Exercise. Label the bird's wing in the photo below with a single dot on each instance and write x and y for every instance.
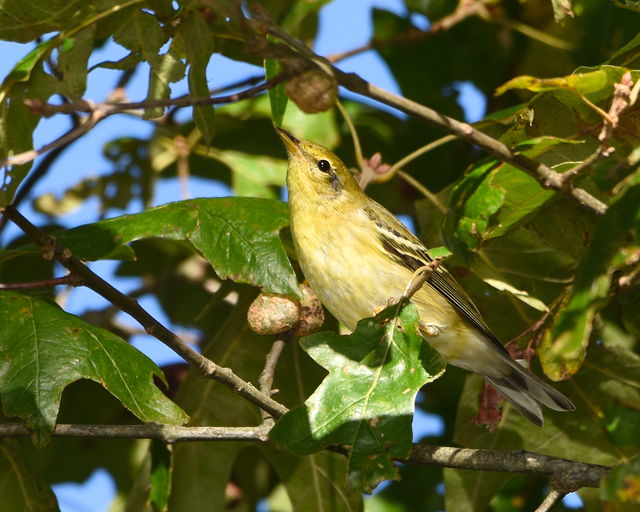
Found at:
(407, 250)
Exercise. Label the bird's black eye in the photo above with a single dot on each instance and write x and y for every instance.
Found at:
(324, 165)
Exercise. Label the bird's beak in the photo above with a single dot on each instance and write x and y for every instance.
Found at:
(290, 142)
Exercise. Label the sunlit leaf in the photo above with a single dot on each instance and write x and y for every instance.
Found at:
(582, 83)
(238, 236)
(48, 349)
(367, 400)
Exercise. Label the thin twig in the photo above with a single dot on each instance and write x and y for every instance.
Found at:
(623, 97)
(186, 100)
(551, 500)
(265, 381)
(96, 116)
(357, 148)
(69, 280)
(463, 11)
(422, 189)
(580, 168)
(99, 111)
(534, 33)
(419, 152)
(54, 250)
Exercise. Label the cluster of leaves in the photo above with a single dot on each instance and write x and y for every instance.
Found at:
(528, 256)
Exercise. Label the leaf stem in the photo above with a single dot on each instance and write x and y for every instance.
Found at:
(69, 280)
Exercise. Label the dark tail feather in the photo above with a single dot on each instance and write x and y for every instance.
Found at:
(526, 392)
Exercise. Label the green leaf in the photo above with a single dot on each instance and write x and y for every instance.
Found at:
(252, 175)
(563, 349)
(297, 13)
(277, 97)
(367, 400)
(143, 33)
(473, 202)
(26, 20)
(623, 424)
(17, 123)
(20, 488)
(161, 467)
(46, 349)
(237, 235)
(316, 482)
(73, 59)
(198, 46)
(203, 115)
(21, 72)
(582, 83)
(320, 128)
(165, 69)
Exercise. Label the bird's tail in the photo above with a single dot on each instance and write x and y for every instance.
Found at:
(526, 392)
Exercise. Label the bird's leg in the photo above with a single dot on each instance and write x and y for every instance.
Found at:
(429, 329)
(419, 277)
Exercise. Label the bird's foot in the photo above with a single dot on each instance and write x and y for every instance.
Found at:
(430, 329)
(419, 277)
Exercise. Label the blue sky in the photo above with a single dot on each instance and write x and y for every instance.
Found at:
(345, 24)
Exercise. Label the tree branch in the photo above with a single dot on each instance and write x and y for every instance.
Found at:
(546, 176)
(565, 474)
(54, 250)
(161, 432)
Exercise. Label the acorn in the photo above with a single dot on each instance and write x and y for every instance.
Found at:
(273, 314)
(313, 91)
(311, 312)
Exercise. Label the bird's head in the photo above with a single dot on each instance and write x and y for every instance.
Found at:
(316, 173)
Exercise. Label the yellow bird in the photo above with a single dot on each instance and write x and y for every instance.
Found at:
(357, 256)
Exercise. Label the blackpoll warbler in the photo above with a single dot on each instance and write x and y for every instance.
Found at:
(357, 256)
